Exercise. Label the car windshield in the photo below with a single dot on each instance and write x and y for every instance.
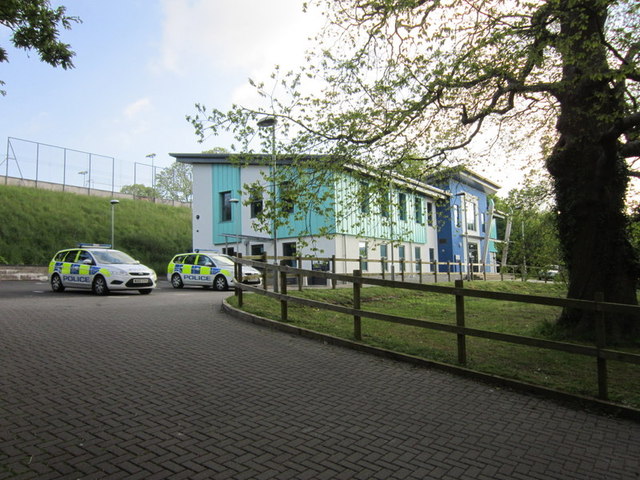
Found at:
(112, 257)
(223, 261)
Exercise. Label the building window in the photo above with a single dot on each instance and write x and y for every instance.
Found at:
(257, 250)
(363, 197)
(418, 254)
(401, 256)
(472, 215)
(225, 206)
(384, 256)
(287, 197)
(482, 223)
(430, 214)
(456, 216)
(402, 206)
(432, 258)
(385, 205)
(363, 252)
(256, 205)
(418, 210)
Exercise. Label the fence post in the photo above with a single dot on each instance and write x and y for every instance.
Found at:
(484, 271)
(460, 265)
(284, 314)
(237, 275)
(265, 272)
(402, 267)
(357, 324)
(300, 275)
(382, 261)
(601, 343)
(448, 270)
(462, 345)
(435, 272)
(419, 265)
(334, 282)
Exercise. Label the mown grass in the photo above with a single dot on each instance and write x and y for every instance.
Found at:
(558, 370)
(37, 223)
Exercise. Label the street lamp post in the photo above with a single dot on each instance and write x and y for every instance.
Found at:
(114, 202)
(270, 122)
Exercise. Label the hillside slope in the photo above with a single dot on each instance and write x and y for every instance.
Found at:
(35, 223)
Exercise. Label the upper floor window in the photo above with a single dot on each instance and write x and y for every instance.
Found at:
(456, 216)
(385, 205)
(418, 210)
(286, 197)
(363, 197)
(402, 206)
(430, 221)
(472, 215)
(256, 205)
(225, 206)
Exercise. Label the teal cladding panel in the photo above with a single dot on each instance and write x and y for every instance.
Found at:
(225, 178)
(311, 223)
(351, 220)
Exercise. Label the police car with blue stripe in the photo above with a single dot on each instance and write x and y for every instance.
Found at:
(207, 269)
(99, 268)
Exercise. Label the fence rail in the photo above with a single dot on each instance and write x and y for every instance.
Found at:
(599, 351)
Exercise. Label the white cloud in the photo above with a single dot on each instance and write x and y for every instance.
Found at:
(133, 109)
(249, 35)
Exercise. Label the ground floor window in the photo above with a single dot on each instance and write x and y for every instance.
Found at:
(363, 253)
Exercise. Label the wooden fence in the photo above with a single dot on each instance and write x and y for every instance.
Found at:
(417, 270)
(599, 351)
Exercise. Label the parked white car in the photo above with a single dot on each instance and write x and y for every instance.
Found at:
(100, 269)
(206, 269)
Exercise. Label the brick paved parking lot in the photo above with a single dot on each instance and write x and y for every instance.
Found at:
(165, 386)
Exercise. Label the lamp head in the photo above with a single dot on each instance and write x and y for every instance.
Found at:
(267, 122)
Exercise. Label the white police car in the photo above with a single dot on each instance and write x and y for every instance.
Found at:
(99, 268)
(206, 269)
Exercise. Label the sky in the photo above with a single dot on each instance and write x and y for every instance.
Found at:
(140, 67)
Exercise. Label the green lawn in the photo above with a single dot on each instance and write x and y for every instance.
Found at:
(567, 372)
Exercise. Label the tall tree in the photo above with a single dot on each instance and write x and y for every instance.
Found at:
(406, 76)
(35, 25)
(175, 182)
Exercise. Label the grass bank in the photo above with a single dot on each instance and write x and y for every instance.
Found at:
(566, 372)
(37, 223)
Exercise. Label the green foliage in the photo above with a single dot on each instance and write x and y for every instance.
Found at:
(534, 234)
(175, 182)
(139, 190)
(35, 25)
(37, 223)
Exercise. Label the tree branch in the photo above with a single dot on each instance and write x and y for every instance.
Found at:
(630, 149)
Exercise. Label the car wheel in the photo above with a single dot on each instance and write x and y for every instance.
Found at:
(56, 283)
(99, 286)
(220, 283)
(176, 281)
(145, 291)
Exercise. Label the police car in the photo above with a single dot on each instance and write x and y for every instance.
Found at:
(206, 269)
(99, 268)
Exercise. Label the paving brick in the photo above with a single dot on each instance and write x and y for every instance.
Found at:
(166, 387)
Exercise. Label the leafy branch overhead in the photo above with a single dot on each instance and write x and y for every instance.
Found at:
(413, 85)
(35, 25)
